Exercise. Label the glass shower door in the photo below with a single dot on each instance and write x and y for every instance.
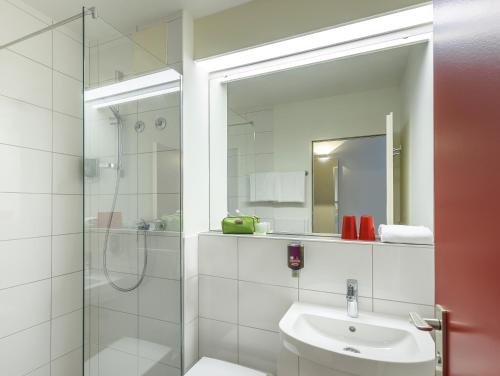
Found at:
(132, 218)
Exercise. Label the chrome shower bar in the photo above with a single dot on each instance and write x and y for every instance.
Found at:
(88, 11)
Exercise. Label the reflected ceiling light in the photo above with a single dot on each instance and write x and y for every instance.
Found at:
(323, 149)
(404, 19)
(147, 86)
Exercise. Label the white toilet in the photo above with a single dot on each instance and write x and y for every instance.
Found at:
(213, 367)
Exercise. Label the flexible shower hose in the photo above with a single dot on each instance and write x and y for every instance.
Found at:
(110, 221)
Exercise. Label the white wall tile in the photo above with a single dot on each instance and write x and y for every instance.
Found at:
(191, 340)
(219, 340)
(68, 172)
(67, 293)
(25, 170)
(23, 261)
(68, 57)
(218, 256)
(66, 333)
(190, 256)
(152, 206)
(25, 351)
(403, 274)
(191, 299)
(24, 306)
(68, 95)
(25, 79)
(262, 306)
(265, 261)
(117, 300)
(42, 371)
(18, 23)
(219, 298)
(22, 124)
(333, 300)
(327, 266)
(164, 263)
(68, 134)
(119, 331)
(259, 349)
(68, 364)
(160, 341)
(67, 215)
(67, 254)
(24, 215)
(401, 309)
(159, 172)
(160, 299)
(153, 139)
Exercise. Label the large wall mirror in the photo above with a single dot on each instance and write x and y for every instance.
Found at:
(307, 145)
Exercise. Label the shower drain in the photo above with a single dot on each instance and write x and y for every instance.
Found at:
(352, 349)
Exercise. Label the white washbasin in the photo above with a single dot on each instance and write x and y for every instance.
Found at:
(372, 344)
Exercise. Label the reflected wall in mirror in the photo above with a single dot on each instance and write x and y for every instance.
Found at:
(274, 121)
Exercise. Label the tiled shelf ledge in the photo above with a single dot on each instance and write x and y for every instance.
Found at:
(126, 230)
(315, 238)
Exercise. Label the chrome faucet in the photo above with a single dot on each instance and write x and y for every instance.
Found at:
(352, 298)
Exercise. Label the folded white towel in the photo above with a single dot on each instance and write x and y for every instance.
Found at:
(405, 234)
(291, 187)
(263, 187)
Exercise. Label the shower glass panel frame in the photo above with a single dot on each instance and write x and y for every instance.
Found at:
(132, 211)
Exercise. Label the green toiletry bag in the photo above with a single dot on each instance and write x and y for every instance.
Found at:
(239, 225)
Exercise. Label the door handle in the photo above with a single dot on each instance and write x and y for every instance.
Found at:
(440, 327)
(426, 325)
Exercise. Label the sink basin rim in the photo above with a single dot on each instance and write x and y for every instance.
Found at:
(424, 342)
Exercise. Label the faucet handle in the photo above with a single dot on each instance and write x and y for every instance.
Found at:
(352, 287)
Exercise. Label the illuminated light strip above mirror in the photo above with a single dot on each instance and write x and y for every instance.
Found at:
(147, 86)
(329, 54)
(389, 23)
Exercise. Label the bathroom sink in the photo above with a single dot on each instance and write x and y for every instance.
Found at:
(372, 344)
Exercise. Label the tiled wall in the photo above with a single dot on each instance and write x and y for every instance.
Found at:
(40, 198)
(250, 150)
(245, 288)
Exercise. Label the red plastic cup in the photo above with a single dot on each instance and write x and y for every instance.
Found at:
(367, 228)
(349, 231)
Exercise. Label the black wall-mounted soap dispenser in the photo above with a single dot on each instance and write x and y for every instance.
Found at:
(295, 257)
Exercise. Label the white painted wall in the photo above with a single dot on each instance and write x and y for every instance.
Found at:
(262, 21)
(417, 136)
(195, 181)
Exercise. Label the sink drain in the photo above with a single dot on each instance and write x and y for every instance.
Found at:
(352, 349)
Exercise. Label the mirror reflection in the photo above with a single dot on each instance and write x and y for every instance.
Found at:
(307, 146)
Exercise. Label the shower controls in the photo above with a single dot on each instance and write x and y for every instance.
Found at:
(91, 167)
(139, 126)
(160, 123)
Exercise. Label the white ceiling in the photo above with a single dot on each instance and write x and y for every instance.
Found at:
(125, 15)
(367, 72)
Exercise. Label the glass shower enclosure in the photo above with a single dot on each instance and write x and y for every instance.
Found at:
(132, 206)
